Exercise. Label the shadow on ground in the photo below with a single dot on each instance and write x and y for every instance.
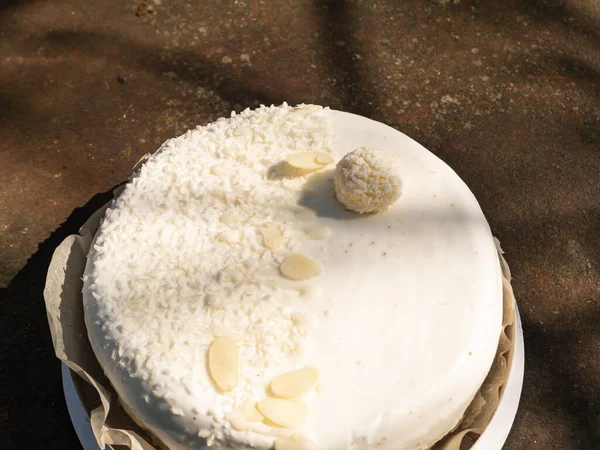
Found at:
(29, 369)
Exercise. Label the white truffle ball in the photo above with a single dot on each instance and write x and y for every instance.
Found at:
(367, 180)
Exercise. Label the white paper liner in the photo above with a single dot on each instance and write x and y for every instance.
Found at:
(110, 423)
(480, 411)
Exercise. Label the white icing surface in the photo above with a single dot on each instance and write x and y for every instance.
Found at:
(403, 324)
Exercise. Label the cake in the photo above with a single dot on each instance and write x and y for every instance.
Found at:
(236, 299)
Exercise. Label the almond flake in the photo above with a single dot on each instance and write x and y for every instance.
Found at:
(229, 236)
(318, 232)
(304, 161)
(303, 321)
(229, 274)
(298, 212)
(323, 159)
(294, 444)
(251, 412)
(300, 267)
(272, 237)
(305, 214)
(307, 107)
(295, 383)
(309, 291)
(283, 412)
(238, 420)
(223, 363)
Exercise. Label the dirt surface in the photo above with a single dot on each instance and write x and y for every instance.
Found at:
(506, 92)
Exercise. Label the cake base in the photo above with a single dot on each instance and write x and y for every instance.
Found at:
(493, 437)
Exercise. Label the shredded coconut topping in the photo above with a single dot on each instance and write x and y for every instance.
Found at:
(180, 257)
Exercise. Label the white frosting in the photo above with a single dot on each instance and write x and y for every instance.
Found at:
(366, 180)
(402, 325)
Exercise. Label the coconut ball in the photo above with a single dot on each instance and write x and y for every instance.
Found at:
(367, 180)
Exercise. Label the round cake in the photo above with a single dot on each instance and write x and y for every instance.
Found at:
(234, 302)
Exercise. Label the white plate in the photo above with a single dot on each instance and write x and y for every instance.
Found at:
(495, 434)
(493, 437)
(79, 417)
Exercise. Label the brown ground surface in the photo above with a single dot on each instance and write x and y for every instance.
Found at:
(506, 92)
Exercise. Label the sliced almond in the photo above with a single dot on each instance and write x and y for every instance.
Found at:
(305, 161)
(302, 213)
(309, 291)
(317, 232)
(272, 237)
(223, 363)
(300, 267)
(294, 444)
(298, 212)
(251, 412)
(303, 107)
(323, 159)
(303, 321)
(229, 236)
(229, 274)
(283, 412)
(295, 383)
(238, 420)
